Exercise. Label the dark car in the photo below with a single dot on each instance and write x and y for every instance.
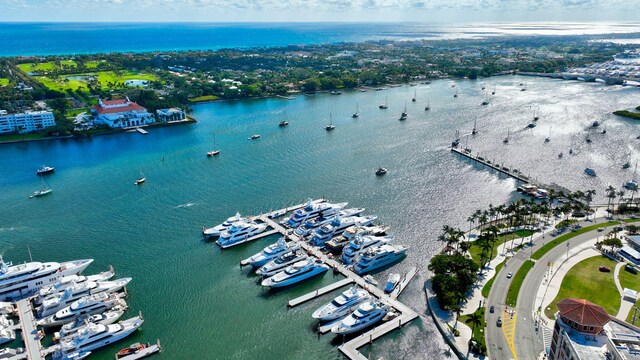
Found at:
(603, 268)
(492, 309)
(499, 322)
(618, 228)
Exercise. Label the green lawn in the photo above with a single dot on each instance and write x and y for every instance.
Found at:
(74, 112)
(4, 81)
(92, 64)
(627, 114)
(516, 283)
(68, 64)
(487, 287)
(45, 66)
(630, 281)
(560, 239)
(61, 84)
(478, 332)
(107, 79)
(585, 281)
(13, 137)
(203, 98)
(475, 250)
(630, 316)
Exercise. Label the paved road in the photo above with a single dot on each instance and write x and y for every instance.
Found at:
(527, 342)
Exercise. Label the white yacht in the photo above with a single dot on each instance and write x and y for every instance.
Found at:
(64, 282)
(338, 226)
(52, 303)
(76, 355)
(367, 315)
(18, 281)
(312, 210)
(295, 273)
(359, 244)
(240, 231)
(94, 336)
(5, 322)
(219, 229)
(306, 228)
(281, 262)
(336, 244)
(88, 305)
(106, 318)
(377, 257)
(7, 335)
(270, 252)
(342, 305)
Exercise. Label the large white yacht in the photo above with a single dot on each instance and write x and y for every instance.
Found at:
(219, 229)
(342, 305)
(336, 244)
(295, 273)
(367, 314)
(64, 282)
(94, 336)
(52, 303)
(106, 318)
(240, 231)
(7, 335)
(360, 243)
(337, 227)
(377, 257)
(18, 281)
(270, 252)
(88, 305)
(281, 262)
(310, 225)
(312, 210)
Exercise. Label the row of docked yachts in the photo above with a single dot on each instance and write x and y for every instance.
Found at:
(337, 230)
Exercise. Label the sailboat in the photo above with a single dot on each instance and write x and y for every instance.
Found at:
(536, 116)
(384, 106)
(215, 151)
(44, 191)
(548, 138)
(633, 183)
(475, 129)
(428, 107)
(330, 126)
(141, 179)
(404, 115)
(506, 140)
(494, 90)
(486, 99)
(456, 94)
(524, 87)
(356, 114)
(415, 97)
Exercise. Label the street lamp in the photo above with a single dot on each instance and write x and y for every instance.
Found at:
(568, 243)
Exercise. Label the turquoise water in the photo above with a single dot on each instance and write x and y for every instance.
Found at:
(194, 297)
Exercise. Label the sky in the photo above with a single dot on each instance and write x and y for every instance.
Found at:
(316, 10)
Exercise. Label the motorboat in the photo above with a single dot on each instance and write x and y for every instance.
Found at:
(140, 180)
(296, 273)
(338, 226)
(240, 231)
(356, 114)
(19, 281)
(392, 281)
(52, 303)
(631, 185)
(590, 171)
(45, 170)
(342, 305)
(7, 335)
(377, 257)
(95, 336)
(370, 280)
(138, 351)
(367, 314)
(595, 124)
(312, 210)
(283, 123)
(560, 155)
(76, 355)
(106, 318)
(88, 305)
(359, 244)
(67, 281)
(316, 223)
(8, 353)
(330, 126)
(338, 243)
(281, 262)
(5, 322)
(219, 229)
(531, 125)
(270, 252)
(253, 137)
(381, 171)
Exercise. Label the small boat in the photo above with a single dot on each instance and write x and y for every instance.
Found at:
(384, 106)
(415, 97)
(334, 92)
(536, 117)
(506, 140)
(570, 151)
(139, 351)
(45, 170)
(494, 90)
(404, 114)
(456, 94)
(213, 152)
(604, 131)
(140, 181)
(356, 114)
(381, 171)
(253, 137)
(330, 126)
(370, 280)
(631, 185)
(106, 318)
(475, 129)
(531, 125)
(392, 281)
(46, 190)
(595, 124)
(283, 122)
(560, 155)
(588, 140)
(626, 165)
(428, 107)
(590, 171)
(486, 99)
(378, 256)
(548, 138)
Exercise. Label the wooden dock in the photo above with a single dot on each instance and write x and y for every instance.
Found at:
(314, 294)
(403, 284)
(499, 168)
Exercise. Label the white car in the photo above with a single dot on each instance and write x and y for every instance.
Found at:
(509, 275)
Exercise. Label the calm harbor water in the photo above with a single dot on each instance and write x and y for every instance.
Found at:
(195, 298)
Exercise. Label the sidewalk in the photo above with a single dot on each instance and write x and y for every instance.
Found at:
(625, 305)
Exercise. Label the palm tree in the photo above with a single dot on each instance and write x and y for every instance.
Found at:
(588, 197)
(620, 194)
(611, 194)
(471, 219)
(475, 319)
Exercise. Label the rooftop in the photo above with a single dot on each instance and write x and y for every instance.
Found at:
(583, 312)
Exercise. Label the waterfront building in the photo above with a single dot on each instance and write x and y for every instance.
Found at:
(26, 122)
(171, 114)
(120, 113)
(584, 331)
(631, 251)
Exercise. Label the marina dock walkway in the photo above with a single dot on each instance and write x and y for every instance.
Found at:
(314, 294)
(403, 284)
(502, 169)
(142, 131)
(30, 335)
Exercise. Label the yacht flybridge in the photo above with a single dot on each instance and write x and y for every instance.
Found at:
(219, 229)
(359, 244)
(312, 210)
(88, 305)
(270, 252)
(64, 282)
(19, 281)
(338, 226)
(296, 273)
(306, 228)
(281, 262)
(367, 314)
(377, 257)
(240, 231)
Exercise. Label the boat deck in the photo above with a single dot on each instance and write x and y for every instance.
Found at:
(263, 234)
(148, 351)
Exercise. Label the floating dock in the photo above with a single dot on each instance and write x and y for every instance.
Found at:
(403, 284)
(314, 294)
(499, 168)
(142, 131)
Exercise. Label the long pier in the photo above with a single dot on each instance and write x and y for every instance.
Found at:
(30, 335)
(314, 294)
(502, 169)
(350, 349)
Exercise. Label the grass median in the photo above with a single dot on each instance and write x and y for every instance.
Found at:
(516, 283)
(561, 239)
(487, 287)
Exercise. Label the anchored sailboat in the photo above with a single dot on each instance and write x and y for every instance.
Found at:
(44, 191)
(356, 114)
(475, 129)
(404, 114)
(330, 126)
(384, 106)
(415, 96)
(215, 150)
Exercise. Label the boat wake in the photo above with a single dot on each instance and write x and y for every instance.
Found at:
(185, 205)
(7, 229)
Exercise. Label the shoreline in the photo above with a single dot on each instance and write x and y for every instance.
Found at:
(188, 120)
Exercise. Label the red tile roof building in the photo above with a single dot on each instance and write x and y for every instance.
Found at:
(121, 113)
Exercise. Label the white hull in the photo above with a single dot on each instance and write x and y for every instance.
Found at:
(271, 268)
(227, 241)
(271, 283)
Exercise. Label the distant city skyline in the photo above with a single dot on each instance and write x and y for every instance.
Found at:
(317, 10)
